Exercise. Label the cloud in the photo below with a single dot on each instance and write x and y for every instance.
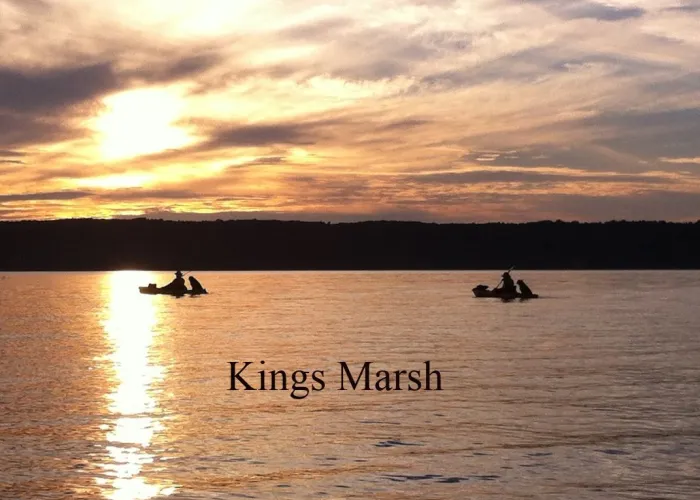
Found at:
(686, 7)
(259, 135)
(48, 90)
(327, 189)
(681, 161)
(145, 194)
(583, 9)
(519, 176)
(121, 195)
(266, 160)
(19, 130)
(34, 6)
(318, 29)
(588, 156)
(353, 52)
(222, 136)
(535, 65)
(47, 196)
(9, 154)
(172, 68)
(652, 134)
(8, 214)
(405, 124)
(6, 170)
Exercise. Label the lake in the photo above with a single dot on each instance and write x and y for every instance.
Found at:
(590, 392)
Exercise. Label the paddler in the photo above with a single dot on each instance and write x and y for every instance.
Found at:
(178, 284)
(508, 285)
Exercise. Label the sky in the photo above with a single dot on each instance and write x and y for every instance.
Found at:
(432, 110)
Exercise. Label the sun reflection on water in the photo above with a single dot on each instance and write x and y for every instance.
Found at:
(129, 326)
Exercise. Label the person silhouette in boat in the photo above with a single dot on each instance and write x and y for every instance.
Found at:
(508, 285)
(176, 285)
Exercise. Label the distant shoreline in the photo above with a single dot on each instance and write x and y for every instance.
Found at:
(266, 245)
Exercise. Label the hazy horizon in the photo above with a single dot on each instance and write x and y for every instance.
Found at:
(335, 219)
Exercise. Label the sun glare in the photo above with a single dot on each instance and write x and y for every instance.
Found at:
(140, 122)
(133, 405)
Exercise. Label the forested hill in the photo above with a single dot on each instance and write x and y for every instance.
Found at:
(90, 244)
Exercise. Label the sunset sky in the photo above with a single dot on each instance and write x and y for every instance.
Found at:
(436, 110)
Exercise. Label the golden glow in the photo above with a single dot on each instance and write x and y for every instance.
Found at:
(299, 155)
(681, 160)
(140, 122)
(282, 54)
(339, 89)
(210, 17)
(129, 326)
(115, 181)
(374, 92)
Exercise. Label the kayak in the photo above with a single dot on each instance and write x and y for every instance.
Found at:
(482, 291)
(148, 290)
(154, 290)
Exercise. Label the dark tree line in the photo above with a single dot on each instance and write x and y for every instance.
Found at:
(89, 244)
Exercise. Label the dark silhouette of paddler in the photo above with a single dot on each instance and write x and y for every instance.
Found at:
(508, 285)
(176, 285)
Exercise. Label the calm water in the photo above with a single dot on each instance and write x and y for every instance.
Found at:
(592, 392)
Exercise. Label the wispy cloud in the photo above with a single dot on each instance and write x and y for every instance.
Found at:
(687, 6)
(48, 91)
(58, 195)
(583, 9)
